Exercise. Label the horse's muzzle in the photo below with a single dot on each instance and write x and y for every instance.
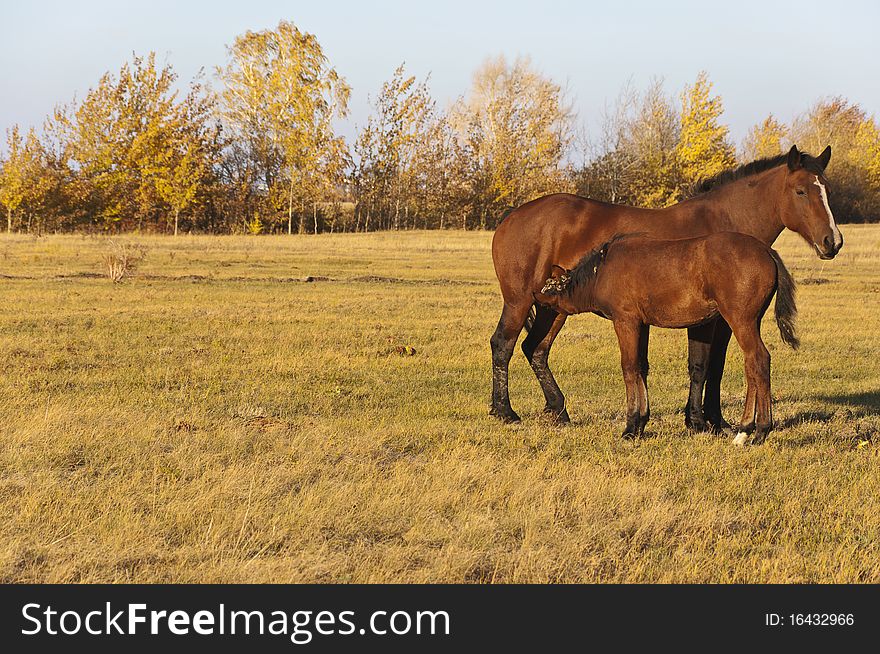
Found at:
(829, 249)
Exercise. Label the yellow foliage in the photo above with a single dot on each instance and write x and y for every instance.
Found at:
(764, 140)
(703, 147)
(867, 144)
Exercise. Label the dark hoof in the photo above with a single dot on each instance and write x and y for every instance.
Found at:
(719, 426)
(507, 416)
(697, 426)
(557, 416)
(629, 434)
(760, 436)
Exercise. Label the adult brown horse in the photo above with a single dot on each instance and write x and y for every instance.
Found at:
(759, 199)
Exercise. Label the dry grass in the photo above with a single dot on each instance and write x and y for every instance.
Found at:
(122, 259)
(216, 420)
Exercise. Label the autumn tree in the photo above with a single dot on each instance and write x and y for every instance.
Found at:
(442, 164)
(606, 164)
(634, 161)
(393, 147)
(13, 174)
(703, 148)
(279, 99)
(867, 144)
(26, 182)
(764, 140)
(116, 132)
(118, 142)
(517, 127)
(851, 133)
(652, 139)
(184, 162)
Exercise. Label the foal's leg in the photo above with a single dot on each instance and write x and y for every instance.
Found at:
(763, 400)
(717, 356)
(644, 406)
(503, 341)
(756, 412)
(747, 422)
(628, 333)
(536, 347)
(699, 345)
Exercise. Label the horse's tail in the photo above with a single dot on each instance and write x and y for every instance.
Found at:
(786, 307)
(530, 320)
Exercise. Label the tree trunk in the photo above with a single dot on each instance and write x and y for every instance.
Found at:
(315, 215)
(176, 220)
(290, 208)
(302, 214)
(8, 220)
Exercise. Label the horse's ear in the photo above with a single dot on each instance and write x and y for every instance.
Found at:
(554, 269)
(794, 158)
(824, 158)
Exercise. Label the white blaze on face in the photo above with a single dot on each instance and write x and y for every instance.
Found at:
(838, 239)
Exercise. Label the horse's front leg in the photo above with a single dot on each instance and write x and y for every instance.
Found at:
(628, 333)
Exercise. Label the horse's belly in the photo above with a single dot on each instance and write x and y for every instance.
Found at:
(678, 315)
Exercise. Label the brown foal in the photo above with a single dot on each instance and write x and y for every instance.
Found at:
(636, 282)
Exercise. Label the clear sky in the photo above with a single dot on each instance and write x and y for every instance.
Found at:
(763, 56)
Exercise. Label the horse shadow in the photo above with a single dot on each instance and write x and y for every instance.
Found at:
(866, 403)
(805, 416)
(856, 405)
(860, 405)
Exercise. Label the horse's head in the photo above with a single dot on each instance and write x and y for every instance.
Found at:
(804, 207)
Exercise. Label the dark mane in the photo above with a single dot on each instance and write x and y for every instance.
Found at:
(588, 267)
(752, 168)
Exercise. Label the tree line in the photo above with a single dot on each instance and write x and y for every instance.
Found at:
(258, 151)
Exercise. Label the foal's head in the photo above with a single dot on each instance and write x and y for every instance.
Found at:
(568, 291)
(804, 208)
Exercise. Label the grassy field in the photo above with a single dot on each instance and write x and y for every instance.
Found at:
(217, 419)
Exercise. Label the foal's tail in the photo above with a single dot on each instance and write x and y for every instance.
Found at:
(786, 308)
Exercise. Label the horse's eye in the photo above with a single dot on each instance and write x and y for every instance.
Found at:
(801, 191)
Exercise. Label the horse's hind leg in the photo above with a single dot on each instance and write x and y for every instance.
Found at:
(763, 406)
(513, 318)
(714, 372)
(699, 346)
(644, 406)
(757, 414)
(536, 347)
